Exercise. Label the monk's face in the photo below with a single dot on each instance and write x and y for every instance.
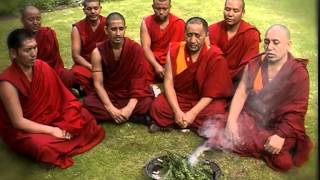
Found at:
(233, 11)
(161, 10)
(31, 19)
(26, 55)
(276, 44)
(116, 31)
(92, 10)
(195, 36)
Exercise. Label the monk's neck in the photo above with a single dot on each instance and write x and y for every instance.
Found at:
(195, 55)
(164, 24)
(232, 30)
(94, 24)
(117, 49)
(28, 71)
(275, 66)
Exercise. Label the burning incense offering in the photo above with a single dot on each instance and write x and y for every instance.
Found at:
(176, 166)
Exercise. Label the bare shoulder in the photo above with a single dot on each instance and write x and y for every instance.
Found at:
(7, 89)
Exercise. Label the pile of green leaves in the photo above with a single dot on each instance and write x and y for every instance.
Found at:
(176, 166)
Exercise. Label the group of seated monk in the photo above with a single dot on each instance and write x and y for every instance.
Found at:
(41, 118)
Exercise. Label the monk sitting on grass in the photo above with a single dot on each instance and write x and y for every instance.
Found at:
(39, 117)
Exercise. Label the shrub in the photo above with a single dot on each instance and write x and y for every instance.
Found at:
(43, 5)
(11, 7)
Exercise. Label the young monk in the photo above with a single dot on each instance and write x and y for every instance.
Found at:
(122, 92)
(157, 31)
(85, 34)
(238, 40)
(47, 44)
(39, 117)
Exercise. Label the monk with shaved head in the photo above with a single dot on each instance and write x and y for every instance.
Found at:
(48, 47)
(238, 40)
(266, 118)
(85, 34)
(157, 31)
(196, 82)
(122, 93)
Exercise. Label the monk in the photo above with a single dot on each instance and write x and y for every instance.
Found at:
(157, 31)
(39, 117)
(266, 119)
(238, 40)
(85, 34)
(196, 81)
(47, 43)
(122, 93)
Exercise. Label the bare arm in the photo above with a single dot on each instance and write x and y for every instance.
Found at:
(237, 104)
(128, 109)
(171, 94)
(202, 103)
(146, 45)
(11, 102)
(98, 84)
(76, 49)
(193, 112)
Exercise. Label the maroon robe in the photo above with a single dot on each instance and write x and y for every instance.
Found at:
(89, 39)
(278, 108)
(45, 100)
(160, 40)
(207, 77)
(48, 51)
(123, 79)
(238, 50)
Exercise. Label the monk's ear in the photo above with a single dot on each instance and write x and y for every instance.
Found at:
(12, 53)
(289, 45)
(106, 30)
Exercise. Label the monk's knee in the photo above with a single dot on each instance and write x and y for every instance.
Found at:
(153, 107)
(283, 161)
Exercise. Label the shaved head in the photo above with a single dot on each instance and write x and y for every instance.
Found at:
(28, 9)
(277, 43)
(280, 28)
(241, 1)
(84, 3)
(198, 20)
(31, 18)
(115, 16)
(162, 1)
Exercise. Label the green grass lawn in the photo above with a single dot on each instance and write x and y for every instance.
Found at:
(127, 147)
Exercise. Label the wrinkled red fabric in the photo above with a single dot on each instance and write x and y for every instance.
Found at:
(207, 77)
(123, 79)
(239, 49)
(45, 100)
(89, 40)
(48, 51)
(160, 39)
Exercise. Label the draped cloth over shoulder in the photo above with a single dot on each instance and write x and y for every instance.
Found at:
(89, 40)
(160, 39)
(123, 79)
(239, 49)
(48, 51)
(207, 77)
(272, 107)
(45, 100)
